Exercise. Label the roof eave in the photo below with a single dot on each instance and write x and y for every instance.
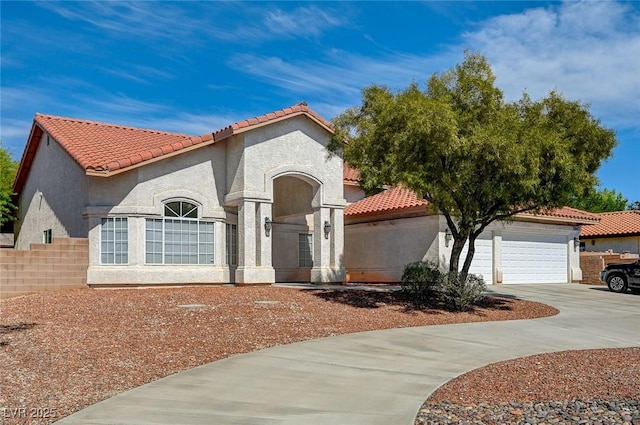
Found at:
(613, 235)
(391, 214)
(555, 219)
(33, 141)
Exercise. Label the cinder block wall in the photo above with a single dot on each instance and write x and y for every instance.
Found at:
(45, 267)
(592, 263)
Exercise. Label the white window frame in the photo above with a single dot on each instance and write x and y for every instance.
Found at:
(118, 243)
(305, 250)
(180, 239)
(231, 244)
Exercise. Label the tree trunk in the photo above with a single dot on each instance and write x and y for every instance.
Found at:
(467, 261)
(456, 253)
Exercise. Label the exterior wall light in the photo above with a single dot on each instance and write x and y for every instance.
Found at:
(267, 226)
(576, 243)
(327, 229)
(447, 237)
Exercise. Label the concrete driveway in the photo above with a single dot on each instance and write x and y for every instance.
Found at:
(380, 377)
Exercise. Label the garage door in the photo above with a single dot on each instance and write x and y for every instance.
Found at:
(482, 262)
(534, 258)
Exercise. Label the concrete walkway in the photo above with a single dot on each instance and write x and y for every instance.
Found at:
(370, 378)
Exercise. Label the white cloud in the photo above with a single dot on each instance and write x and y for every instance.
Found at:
(199, 20)
(302, 21)
(340, 76)
(140, 19)
(586, 50)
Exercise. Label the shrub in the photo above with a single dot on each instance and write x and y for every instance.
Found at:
(460, 295)
(422, 282)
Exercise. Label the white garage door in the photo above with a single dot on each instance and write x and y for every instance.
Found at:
(534, 258)
(482, 262)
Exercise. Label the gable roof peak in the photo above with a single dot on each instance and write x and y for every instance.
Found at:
(103, 148)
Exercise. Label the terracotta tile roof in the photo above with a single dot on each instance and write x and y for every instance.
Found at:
(350, 175)
(621, 223)
(105, 148)
(100, 146)
(394, 199)
(567, 212)
(399, 198)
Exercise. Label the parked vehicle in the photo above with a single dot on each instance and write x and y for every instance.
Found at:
(621, 277)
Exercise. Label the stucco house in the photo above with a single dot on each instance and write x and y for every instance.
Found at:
(259, 201)
(616, 231)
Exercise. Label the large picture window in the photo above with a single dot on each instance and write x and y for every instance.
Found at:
(114, 241)
(305, 250)
(179, 238)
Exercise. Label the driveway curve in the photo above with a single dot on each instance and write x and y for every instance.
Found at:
(378, 377)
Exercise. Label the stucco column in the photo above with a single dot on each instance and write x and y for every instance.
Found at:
(322, 270)
(497, 258)
(219, 233)
(264, 242)
(337, 239)
(253, 245)
(246, 235)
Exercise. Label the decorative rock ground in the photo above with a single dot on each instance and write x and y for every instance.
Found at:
(574, 412)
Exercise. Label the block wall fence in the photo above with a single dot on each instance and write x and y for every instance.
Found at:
(45, 267)
(592, 263)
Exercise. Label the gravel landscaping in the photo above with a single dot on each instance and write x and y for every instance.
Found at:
(63, 351)
(569, 387)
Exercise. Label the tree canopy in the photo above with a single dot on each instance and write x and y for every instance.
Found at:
(8, 168)
(601, 200)
(475, 157)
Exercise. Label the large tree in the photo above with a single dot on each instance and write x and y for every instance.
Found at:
(475, 157)
(8, 169)
(600, 200)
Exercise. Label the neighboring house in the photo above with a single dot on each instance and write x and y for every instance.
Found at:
(617, 231)
(259, 201)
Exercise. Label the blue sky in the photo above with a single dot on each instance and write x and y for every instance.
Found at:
(194, 67)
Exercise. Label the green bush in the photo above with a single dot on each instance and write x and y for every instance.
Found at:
(422, 282)
(460, 295)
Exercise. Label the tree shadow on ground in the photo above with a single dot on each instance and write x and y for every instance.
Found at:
(7, 329)
(377, 299)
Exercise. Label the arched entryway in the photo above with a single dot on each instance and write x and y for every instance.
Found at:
(293, 227)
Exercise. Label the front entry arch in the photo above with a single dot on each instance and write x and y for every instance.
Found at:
(293, 228)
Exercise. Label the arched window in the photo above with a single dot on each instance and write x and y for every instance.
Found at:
(179, 237)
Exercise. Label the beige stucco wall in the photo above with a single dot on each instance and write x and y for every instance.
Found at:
(139, 194)
(294, 146)
(378, 251)
(53, 197)
(353, 193)
(619, 244)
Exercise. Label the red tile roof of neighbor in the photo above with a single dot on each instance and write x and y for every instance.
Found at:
(399, 198)
(620, 223)
(104, 148)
